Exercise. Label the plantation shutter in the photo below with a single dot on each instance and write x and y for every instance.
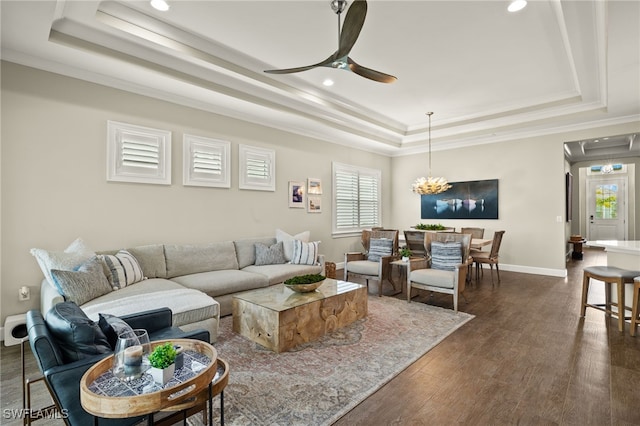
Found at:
(357, 198)
(257, 168)
(138, 152)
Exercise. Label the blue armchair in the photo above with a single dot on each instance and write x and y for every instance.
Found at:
(63, 378)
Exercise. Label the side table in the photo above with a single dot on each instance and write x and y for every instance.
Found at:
(103, 395)
(404, 270)
(576, 253)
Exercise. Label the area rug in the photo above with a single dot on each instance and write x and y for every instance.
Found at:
(319, 382)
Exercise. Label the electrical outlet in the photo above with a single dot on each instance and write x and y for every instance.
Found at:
(24, 293)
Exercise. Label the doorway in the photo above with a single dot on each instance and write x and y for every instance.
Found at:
(607, 207)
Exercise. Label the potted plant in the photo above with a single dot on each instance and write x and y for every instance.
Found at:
(405, 253)
(162, 361)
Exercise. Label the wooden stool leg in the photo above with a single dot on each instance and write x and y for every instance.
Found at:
(634, 309)
(607, 298)
(621, 305)
(585, 291)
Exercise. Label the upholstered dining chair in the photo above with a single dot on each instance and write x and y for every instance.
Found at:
(380, 249)
(448, 271)
(475, 232)
(491, 258)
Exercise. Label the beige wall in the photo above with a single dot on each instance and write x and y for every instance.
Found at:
(54, 186)
(531, 174)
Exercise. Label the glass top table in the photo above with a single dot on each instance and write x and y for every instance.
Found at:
(279, 318)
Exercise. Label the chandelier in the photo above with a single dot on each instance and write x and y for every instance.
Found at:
(430, 185)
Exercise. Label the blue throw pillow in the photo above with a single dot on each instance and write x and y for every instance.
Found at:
(445, 256)
(379, 247)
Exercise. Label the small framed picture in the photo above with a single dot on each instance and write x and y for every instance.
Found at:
(296, 194)
(314, 204)
(314, 186)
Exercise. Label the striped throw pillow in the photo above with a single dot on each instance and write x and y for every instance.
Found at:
(305, 253)
(379, 247)
(445, 256)
(123, 269)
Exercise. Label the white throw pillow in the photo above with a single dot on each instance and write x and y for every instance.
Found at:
(288, 239)
(73, 256)
(305, 253)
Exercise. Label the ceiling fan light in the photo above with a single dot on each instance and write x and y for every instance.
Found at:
(160, 5)
(517, 5)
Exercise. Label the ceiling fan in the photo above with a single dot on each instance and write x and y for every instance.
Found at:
(340, 59)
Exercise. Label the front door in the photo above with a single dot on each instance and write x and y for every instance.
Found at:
(606, 208)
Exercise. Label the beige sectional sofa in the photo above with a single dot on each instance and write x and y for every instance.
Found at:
(197, 282)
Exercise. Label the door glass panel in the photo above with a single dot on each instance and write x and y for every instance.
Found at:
(607, 201)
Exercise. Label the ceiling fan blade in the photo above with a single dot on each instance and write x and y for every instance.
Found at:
(353, 23)
(369, 73)
(324, 63)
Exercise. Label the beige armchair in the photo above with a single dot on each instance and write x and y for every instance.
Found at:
(449, 266)
(380, 249)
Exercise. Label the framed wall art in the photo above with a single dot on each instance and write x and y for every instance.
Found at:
(296, 194)
(314, 186)
(464, 200)
(314, 204)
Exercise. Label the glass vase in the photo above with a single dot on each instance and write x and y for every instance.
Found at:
(131, 355)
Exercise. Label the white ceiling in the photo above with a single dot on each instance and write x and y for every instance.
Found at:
(489, 75)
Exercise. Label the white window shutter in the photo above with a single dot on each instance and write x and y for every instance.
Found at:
(206, 162)
(138, 154)
(257, 168)
(356, 198)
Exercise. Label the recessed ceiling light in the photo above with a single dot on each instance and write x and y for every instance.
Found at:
(328, 82)
(160, 5)
(517, 5)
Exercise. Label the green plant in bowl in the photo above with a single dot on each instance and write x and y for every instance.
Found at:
(305, 283)
(405, 252)
(431, 227)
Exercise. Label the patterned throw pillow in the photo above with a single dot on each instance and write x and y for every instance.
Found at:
(445, 256)
(84, 284)
(379, 247)
(122, 269)
(270, 255)
(76, 254)
(305, 253)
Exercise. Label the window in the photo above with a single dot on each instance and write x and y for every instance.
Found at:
(206, 162)
(138, 154)
(257, 168)
(356, 198)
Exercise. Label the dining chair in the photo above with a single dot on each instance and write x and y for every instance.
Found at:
(491, 258)
(475, 232)
(380, 249)
(416, 241)
(448, 270)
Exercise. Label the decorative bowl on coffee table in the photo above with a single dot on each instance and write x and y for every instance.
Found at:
(305, 283)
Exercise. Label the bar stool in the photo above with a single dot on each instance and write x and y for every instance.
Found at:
(610, 275)
(636, 301)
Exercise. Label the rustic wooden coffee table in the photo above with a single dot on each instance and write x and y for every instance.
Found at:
(280, 319)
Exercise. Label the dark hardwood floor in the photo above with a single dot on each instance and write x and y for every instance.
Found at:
(527, 359)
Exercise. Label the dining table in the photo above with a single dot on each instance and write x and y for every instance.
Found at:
(478, 243)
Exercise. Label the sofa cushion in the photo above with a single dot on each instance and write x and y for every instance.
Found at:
(288, 240)
(73, 256)
(278, 273)
(122, 269)
(188, 306)
(78, 336)
(270, 255)
(305, 253)
(246, 249)
(217, 283)
(151, 259)
(192, 259)
(84, 284)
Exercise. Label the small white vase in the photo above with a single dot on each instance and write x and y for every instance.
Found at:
(162, 375)
(405, 258)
